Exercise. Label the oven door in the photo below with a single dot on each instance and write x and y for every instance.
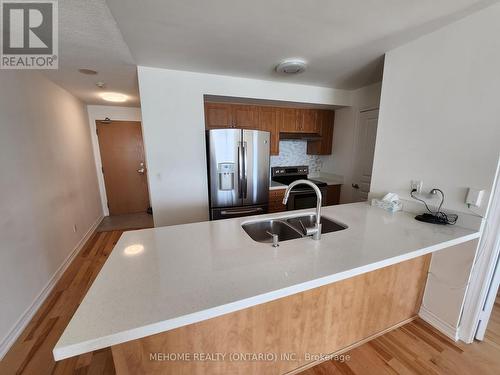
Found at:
(301, 199)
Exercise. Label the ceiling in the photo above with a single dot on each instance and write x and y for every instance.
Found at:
(343, 41)
(89, 38)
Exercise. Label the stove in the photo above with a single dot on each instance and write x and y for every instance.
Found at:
(302, 196)
(287, 175)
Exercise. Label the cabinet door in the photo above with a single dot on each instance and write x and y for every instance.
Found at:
(325, 124)
(309, 121)
(217, 115)
(268, 121)
(276, 201)
(332, 195)
(245, 116)
(287, 120)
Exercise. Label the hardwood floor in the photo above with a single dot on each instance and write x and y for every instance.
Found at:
(415, 348)
(32, 352)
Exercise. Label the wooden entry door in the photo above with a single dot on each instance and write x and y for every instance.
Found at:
(365, 148)
(123, 166)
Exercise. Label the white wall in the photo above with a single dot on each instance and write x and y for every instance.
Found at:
(439, 122)
(439, 117)
(100, 112)
(341, 161)
(173, 124)
(48, 184)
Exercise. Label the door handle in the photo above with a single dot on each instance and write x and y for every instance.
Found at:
(141, 170)
(240, 170)
(241, 212)
(245, 166)
(355, 186)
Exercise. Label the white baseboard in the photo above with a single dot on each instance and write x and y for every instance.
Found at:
(443, 327)
(28, 314)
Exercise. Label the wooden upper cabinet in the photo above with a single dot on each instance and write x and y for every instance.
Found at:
(324, 145)
(276, 121)
(218, 115)
(287, 118)
(245, 116)
(268, 120)
(307, 121)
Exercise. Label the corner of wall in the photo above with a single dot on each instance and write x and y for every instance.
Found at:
(17, 329)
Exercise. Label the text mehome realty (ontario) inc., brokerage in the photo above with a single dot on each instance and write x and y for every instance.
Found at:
(244, 357)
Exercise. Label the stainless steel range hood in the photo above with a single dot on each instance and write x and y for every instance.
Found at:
(305, 136)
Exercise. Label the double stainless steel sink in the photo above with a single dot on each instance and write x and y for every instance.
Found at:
(288, 228)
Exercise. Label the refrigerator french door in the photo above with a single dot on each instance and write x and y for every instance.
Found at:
(238, 172)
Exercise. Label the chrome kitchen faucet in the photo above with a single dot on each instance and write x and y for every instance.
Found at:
(315, 231)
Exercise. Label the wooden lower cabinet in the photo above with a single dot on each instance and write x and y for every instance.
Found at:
(276, 200)
(333, 195)
(289, 330)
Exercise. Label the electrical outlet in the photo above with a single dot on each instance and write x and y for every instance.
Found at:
(474, 197)
(417, 185)
(75, 229)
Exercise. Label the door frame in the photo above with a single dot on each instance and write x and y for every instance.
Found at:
(485, 274)
(356, 148)
(101, 112)
(130, 115)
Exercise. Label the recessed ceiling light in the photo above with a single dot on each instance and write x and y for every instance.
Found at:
(291, 66)
(100, 84)
(88, 72)
(113, 96)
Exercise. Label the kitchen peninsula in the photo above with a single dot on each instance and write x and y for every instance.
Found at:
(209, 288)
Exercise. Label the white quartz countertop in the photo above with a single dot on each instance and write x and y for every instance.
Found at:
(159, 279)
(329, 179)
(273, 185)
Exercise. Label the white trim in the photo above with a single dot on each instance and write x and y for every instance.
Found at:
(445, 328)
(484, 316)
(368, 109)
(484, 266)
(100, 112)
(28, 314)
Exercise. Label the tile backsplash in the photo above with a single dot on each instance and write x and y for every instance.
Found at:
(294, 152)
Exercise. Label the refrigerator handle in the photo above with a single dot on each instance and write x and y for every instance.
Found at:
(245, 168)
(240, 169)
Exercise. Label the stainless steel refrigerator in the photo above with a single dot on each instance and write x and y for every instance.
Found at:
(238, 172)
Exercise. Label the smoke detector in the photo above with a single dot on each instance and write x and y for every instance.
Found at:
(291, 66)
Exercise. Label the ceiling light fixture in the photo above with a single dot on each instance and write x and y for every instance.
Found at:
(291, 66)
(88, 72)
(100, 84)
(113, 97)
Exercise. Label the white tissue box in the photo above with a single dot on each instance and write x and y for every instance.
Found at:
(390, 206)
